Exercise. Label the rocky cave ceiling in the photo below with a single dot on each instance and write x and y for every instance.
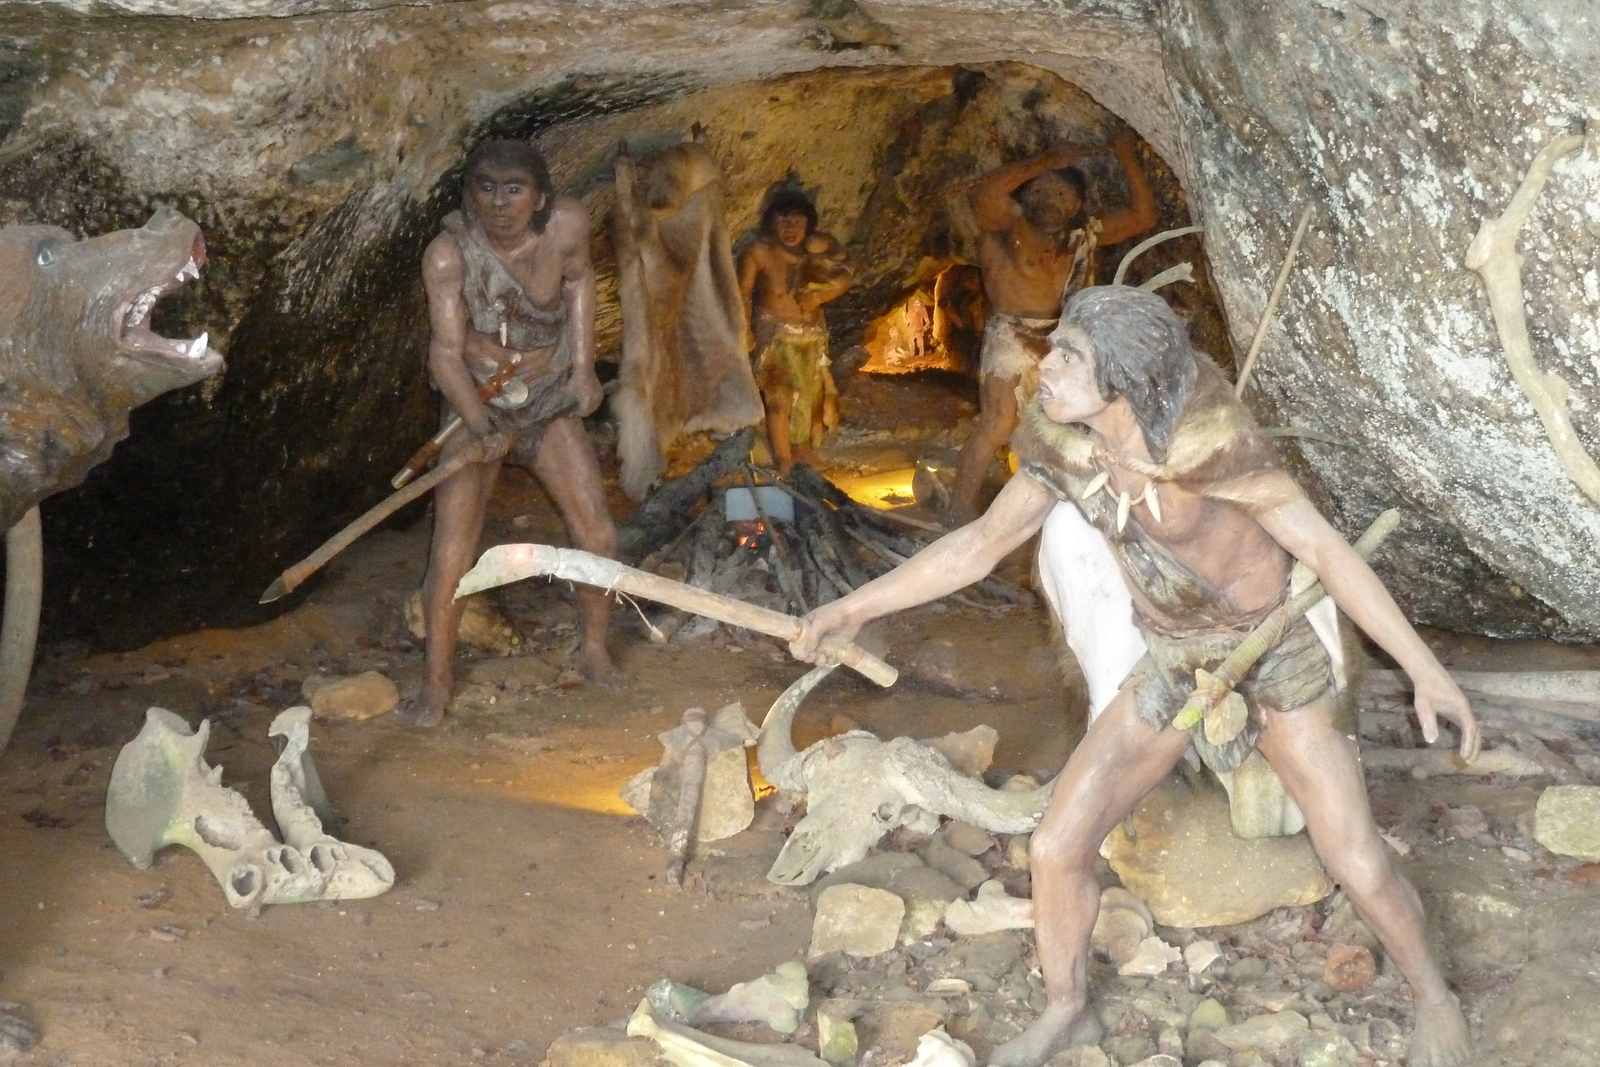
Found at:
(314, 142)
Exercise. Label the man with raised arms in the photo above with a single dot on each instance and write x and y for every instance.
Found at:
(510, 278)
(1037, 248)
(1142, 436)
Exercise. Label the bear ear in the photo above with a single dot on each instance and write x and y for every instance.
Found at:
(697, 134)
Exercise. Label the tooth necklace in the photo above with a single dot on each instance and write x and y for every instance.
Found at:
(1102, 482)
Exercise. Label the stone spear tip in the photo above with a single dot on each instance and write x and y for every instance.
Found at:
(274, 591)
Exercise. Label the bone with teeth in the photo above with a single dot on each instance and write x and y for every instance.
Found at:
(164, 793)
(141, 307)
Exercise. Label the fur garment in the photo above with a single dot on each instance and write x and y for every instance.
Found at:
(684, 364)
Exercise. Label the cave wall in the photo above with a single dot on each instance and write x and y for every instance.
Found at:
(1405, 125)
(314, 140)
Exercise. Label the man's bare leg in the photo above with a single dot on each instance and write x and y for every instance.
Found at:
(458, 508)
(1319, 769)
(1119, 760)
(778, 413)
(565, 464)
(997, 418)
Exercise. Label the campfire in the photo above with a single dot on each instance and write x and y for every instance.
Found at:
(785, 543)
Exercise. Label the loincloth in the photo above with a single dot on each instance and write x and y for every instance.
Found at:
(525, 413)
(1013, 345)
(794, 364)
(1292, 674)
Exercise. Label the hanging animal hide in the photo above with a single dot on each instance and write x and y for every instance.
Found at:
(684, 364)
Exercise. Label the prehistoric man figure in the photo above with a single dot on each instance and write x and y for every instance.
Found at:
(785, 276)
(1124, 405)
(510, 276)
(1036, 250)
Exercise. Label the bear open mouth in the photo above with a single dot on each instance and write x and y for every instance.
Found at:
(136, 336)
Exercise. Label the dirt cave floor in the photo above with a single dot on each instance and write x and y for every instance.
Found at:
(530, 901)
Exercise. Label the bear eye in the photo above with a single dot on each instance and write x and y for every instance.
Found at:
(44, 257)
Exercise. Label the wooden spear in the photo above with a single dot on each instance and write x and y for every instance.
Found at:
(509, 563)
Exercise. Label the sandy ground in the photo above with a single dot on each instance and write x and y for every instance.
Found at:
(529, 901)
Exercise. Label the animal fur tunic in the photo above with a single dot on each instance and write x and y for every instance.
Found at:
(684, 366)
(1187, 623)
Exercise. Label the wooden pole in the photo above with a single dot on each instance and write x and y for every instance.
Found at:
(510, 563)
(1272, 303)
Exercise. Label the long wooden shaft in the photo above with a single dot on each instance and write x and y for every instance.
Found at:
(289, 579)
(1272, 304)
(510, 563)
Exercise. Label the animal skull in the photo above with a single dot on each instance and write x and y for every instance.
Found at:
(858, 788)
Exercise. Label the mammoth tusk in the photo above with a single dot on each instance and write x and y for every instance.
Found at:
(775, 751)
(20, 630)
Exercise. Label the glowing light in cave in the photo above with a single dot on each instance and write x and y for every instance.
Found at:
(881, 490)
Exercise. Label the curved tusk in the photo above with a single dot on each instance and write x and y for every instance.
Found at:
(20, 630)
(775, 751)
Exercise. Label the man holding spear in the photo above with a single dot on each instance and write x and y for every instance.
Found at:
(1141, 435)
(510, 281)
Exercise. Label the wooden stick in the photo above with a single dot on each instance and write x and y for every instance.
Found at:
(1272, 303)
(510, 563)
(291, 578)
(1432, 761)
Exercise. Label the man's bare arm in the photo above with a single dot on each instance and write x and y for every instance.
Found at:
(991, 200)
(442, 274)
(578, 294)
(1140, 215)
(749, 271)
(953, 562)
(841, 275)
(1302, 530)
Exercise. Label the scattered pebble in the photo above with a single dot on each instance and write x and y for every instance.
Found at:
(168, 934)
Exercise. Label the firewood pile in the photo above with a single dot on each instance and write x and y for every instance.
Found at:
(832, 546)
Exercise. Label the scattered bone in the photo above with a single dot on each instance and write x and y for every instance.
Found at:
(1199, 955)
(1152, 957)
(301, 809)
(687, 1047)
(938, 1049)
(163, 793)
(989, 911)
(777, 1000)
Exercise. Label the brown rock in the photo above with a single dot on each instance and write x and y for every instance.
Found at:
(365, 696)
(1350, 968)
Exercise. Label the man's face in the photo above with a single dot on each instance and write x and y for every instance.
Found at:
(503, 200)
(1067, 389)
(1050, 202)
(790, 228)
